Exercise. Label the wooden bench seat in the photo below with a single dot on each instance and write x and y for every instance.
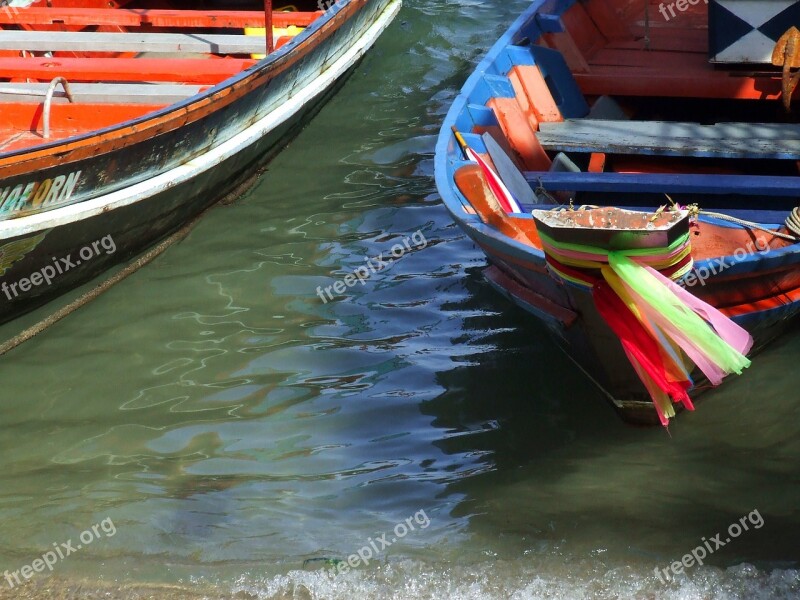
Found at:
(69, 41)
(184, 70)
(99, 93)
(661, 138)
(82, 17)
(666, 183)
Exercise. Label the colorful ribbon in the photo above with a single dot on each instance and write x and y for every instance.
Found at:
(653, 317)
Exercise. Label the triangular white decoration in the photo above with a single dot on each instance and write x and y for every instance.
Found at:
(756, 12)
(755, 47)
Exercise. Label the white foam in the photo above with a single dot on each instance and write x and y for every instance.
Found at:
(551, 579)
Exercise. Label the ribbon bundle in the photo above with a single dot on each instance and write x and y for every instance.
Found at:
(658, 322)
(576, 262)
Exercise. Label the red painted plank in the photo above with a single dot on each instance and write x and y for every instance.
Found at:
(674, 61)
(152, 18)
(607, 20)
(185, 70)
(636, 72)
(65, 119)
(668, 39)
(614, 81)
(582, 31)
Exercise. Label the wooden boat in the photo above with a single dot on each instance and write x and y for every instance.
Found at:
(121, 120)
(641, 109)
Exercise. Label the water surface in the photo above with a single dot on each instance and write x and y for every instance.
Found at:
(242, 435)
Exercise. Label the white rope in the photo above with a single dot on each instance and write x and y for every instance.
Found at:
(751, 225)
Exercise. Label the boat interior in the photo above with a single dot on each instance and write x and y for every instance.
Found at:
(613, 95)
(69, 67)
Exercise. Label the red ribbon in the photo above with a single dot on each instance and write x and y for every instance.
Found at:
(638, 343)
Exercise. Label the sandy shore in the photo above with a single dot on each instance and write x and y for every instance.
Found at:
(59, 589)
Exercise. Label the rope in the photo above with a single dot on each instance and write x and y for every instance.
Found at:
(793, 221)
(751, 225)
(34, 330)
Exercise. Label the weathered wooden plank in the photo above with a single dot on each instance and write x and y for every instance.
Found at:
(237, 19)
(661, 138)
(683, 129)
(69, 41)
(670, 183)
(100, 93)
(185, 70)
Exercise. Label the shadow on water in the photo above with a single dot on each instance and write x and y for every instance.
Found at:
(560, 473)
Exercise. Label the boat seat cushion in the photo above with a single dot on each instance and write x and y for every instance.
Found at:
(662, 138)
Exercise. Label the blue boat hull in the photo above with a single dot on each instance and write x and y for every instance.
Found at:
(519, 270)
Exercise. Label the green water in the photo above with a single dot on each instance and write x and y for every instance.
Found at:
(236, 430)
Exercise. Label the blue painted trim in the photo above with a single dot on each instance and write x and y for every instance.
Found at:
(549, 17)
(491, 237)
(475, 142)
(780, 313)
(482, 116)
(550, 24)
(447, 154)
(528, 31)
(562, 84)
(491, 86)
(510, 57)
(519, 55)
